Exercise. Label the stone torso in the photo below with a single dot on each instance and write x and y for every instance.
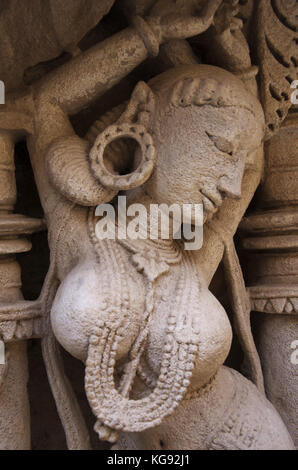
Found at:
(95, 286)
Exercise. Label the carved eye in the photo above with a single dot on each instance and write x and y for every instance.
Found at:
(222, 144)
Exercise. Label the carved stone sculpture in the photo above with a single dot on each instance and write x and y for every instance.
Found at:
(139, 313)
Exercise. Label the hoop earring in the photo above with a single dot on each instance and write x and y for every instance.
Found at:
(145, 168)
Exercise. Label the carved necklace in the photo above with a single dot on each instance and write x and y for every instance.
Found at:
(113, 407)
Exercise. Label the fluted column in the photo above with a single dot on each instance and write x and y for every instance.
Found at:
(271, 239)
(15, 323)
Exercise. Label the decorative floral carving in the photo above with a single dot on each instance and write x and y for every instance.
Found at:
(277, 49)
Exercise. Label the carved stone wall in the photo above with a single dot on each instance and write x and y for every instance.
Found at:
(141, 341)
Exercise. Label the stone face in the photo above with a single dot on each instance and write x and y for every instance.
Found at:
(139, 312)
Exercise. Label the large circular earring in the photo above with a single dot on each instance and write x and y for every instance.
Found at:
(142, 173)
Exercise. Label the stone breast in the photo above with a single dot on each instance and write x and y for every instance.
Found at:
(81, 302)
(208, 316)
(88, 292)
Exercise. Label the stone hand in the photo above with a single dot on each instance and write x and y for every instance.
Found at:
(169, 25)
(225, 17)
(230, 41)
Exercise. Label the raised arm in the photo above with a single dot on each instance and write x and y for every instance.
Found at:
(92, 73)
(87, 77)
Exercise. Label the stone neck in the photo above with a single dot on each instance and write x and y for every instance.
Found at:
(139, 197)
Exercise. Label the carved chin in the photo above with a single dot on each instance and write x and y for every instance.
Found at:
(209, 208)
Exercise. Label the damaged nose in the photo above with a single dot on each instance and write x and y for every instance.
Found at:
(230, 187)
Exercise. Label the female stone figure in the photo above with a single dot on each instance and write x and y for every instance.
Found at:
(139, 313)
(128, 307)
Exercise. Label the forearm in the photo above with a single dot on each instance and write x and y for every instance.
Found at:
(89, 75)
(69, 89)
(104, 65)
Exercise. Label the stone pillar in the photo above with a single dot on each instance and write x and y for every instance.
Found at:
(272, 271)
(16, 315)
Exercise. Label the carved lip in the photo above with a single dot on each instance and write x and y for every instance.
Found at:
(211, 201)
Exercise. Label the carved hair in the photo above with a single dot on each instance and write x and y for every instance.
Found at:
(202, 85)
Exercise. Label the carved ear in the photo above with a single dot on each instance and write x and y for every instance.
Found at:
(140, 107)
(67, 158)
(134, 124)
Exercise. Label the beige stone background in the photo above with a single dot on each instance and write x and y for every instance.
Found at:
(61, 31)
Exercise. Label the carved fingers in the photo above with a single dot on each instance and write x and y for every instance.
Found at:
(231, 46)
(225, 17)
(187, 24)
